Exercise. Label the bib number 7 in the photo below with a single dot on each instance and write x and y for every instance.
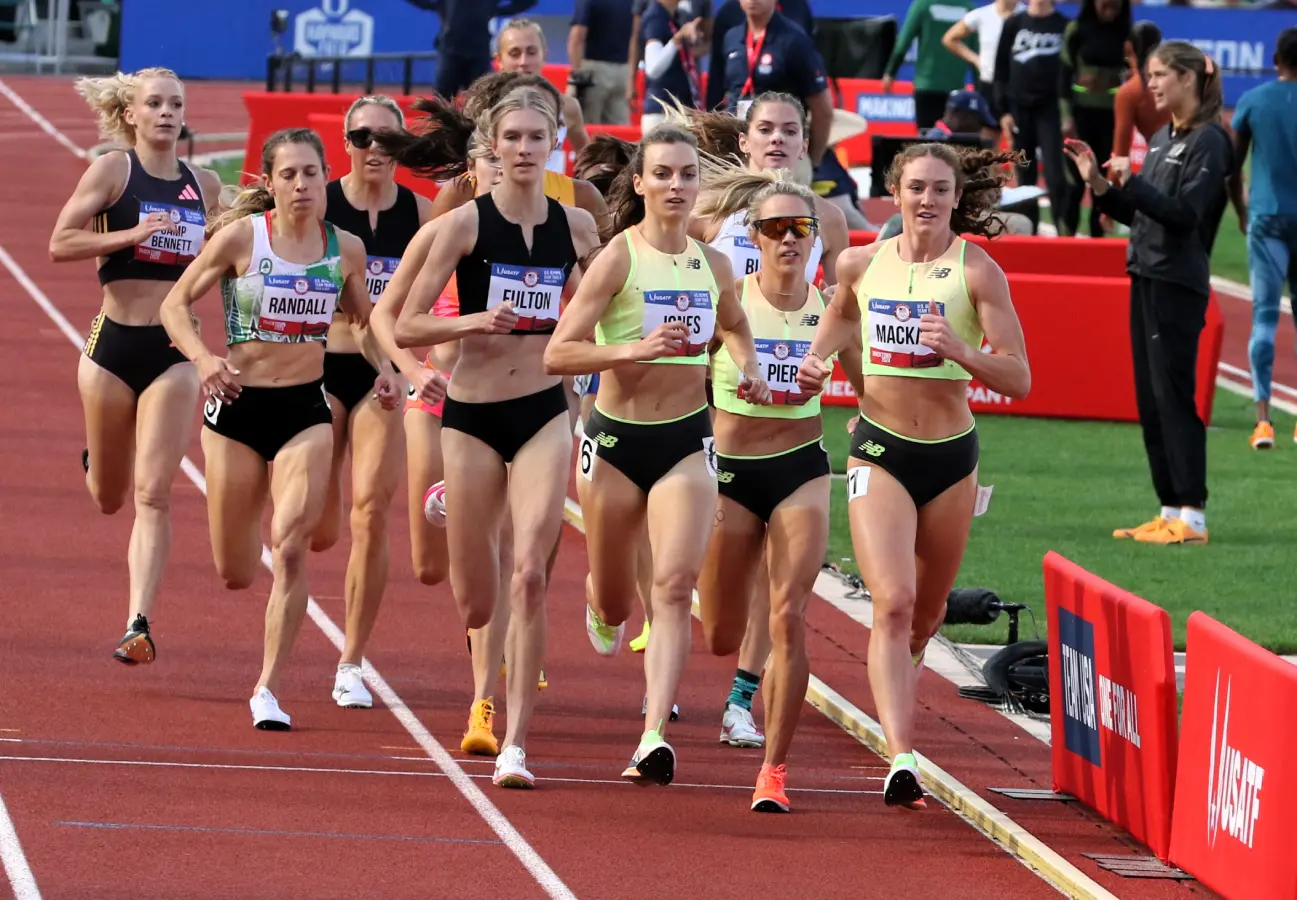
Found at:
(586, 457)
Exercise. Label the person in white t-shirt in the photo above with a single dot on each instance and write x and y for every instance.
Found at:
(986, 22)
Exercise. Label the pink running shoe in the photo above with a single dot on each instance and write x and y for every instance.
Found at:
(434, 504)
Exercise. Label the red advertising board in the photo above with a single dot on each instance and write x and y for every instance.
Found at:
(1112, 708)
(1235, 826)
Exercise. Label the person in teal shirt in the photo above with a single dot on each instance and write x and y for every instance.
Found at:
(937, 71)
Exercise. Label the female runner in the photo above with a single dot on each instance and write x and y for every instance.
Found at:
(368, 203)
(268, 427)
(912, 470)
(653, 296)
(138, 392)
(772, 518)
(514, 253)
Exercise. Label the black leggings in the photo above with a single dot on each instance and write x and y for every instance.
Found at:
(1165, 323)
(1095, 127)
(1041, 126)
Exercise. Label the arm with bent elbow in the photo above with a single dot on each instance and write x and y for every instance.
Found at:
(1005, 369)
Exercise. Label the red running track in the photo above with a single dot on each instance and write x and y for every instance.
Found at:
(119, 779)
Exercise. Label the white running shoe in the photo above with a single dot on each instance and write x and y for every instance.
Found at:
(349, 690)
(675, 709)
(266, 713)
(511, 769)
(606, 639)
(654, 761)
(434, 504)
(738, 729)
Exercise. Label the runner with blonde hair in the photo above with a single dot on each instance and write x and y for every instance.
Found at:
(140, 213)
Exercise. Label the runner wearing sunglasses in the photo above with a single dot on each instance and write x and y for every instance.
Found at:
(773, 475)
(506, 435)
(654, 299)
(368, 203)
(923, 302)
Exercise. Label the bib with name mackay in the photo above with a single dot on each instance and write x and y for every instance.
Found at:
(280, 301)
(894, 295)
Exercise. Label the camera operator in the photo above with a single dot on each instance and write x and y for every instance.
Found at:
(1173, 207)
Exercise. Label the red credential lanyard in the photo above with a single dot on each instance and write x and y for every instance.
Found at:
(754, 43)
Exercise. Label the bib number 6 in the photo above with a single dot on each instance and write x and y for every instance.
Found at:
(211, 409)
(586, 457)
(709, 455)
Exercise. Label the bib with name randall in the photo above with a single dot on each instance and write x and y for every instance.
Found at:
(501, 269)
(735, 241)
(782, 338)
(163, 255)
(385, 242)
(280, 301)
(893, 296)
(660, 288)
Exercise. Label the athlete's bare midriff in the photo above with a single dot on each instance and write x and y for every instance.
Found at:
(923, 408)
(739, 435)
(644, 392)
(494, 367)
(135, 301)
(267, 364)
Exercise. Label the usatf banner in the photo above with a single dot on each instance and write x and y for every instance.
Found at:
(1235, 826)
(1112, 701)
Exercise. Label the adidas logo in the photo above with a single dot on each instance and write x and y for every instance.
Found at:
(189, 193)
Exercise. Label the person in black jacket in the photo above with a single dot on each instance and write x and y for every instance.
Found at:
(1173, 207)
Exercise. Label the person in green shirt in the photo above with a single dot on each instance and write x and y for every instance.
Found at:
(937, 72)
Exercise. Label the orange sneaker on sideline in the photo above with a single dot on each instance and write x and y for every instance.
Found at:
(769, 795)
(479, 738)
(1263, 436)
(1157, 524)
(1175, 532)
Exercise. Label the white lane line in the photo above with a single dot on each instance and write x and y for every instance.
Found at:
(546, 877)
(41, 121)
(16, 868)
(1245, 376)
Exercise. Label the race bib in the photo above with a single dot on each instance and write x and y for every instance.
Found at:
(983, 499)
(180, 243)
(778, 362)
(709, 454)
(746, 258)
(894, 333)
(857, 482)
(534, 294)
(586, 457)
(295, 307)
(693, 308)
(378, 272)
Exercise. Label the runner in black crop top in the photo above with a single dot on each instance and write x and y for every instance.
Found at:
(500, 269)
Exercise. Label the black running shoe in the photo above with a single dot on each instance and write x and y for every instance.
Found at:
(85, 459)
(136, 647)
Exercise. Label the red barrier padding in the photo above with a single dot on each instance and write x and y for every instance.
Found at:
(1112, 701)
(1235, 821)
(1077, 331)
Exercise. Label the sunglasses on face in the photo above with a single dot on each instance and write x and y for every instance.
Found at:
(775, 228)
(361, 138)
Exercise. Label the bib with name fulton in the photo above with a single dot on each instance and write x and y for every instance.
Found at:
(660, 288)
(782, 339)
(894, 295)
(533, 293)
(735, 241)
(280, 301)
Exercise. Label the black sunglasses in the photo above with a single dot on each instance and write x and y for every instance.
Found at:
(361, 138)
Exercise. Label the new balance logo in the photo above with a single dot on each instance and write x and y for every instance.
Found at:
(189, 193)
(873, 449)
(810, 320)
(940, 272)
(724, 477)
(693, 262)
(604, 439)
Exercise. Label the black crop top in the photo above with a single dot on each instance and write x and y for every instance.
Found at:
(165, 254)
(385, 246)
(501, 270)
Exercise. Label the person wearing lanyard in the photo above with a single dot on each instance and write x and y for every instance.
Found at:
(773, 54)
(1173, 207)
(731, 15)
(670, 67)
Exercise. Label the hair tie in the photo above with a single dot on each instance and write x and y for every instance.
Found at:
(1209, 68)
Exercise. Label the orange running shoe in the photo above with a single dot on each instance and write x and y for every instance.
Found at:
(136, 648)
(1263, 436)
(769, 795)
(1176, 532)
(1157, 524)
(479, 738)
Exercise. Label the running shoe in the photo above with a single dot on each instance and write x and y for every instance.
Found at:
(541, 683)
(511, 769)
(640, 644)
(1174, 532)
(479, 739)
(266, 713)
(903, 786)
(434, 504)
(1262, 436)
(606, 639)
(85, 459)
(1156, 524)
(349, 689)
(675, 709)
(136, 648)
(769, 795)
(654, 761)
(738, 729)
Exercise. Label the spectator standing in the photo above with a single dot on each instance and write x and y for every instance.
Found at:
(1027, 74)
(731, 15)
(1265, 120)
(985, 23)
(464, 42)
(770, 53)
(598, 44)
(1135, 109)
(1093, 63)
(670, 66)
(685, 12)
(936, 72)
(1173, 207)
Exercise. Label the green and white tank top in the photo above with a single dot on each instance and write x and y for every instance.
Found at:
(280, 301)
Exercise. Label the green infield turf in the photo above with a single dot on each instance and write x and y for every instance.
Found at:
(1064, 486)
(228, 168)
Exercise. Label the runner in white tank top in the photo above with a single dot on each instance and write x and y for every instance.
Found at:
(732, 239)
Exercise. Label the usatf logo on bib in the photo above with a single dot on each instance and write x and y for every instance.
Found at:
(379, 270)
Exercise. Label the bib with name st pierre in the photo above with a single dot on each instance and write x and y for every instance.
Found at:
(294, 307)
(179, 244)
(691, 308)
(534, 292)
(894, 333)
(778, 361)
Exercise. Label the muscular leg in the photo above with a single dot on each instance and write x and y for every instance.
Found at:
(423, 470)
(728, 576)
(329, 529)
(109, 409)
(613, 507)
(238, 481)
(939, 550)
(476, 497)
(754, 652)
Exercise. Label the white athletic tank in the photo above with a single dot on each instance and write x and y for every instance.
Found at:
(558, 159)
(732, 240)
